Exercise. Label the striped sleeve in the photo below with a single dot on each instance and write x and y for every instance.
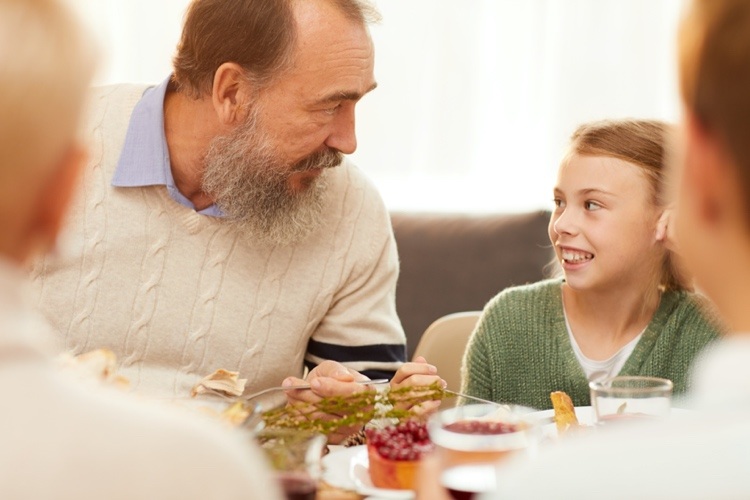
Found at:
(373, 360)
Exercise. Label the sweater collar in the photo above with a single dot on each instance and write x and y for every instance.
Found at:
(668, 302)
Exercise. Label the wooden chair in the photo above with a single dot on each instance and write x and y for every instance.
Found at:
(444, 342)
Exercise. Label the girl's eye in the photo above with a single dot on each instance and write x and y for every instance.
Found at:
(591, 205)
(558, 203)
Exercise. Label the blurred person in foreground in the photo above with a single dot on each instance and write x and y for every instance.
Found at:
(60, 437)
(704, 455)
(221, 226)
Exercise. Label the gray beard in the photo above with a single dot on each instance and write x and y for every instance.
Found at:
(250, 185)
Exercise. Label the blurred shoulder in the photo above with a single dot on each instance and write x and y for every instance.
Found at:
(138, 448)
(177, 440)
(525, 308)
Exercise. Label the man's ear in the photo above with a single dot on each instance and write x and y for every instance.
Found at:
(230, 94)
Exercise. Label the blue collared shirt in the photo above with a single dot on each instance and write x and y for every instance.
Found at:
(144, 160)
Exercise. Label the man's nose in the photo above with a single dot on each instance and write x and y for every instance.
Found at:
(343, 137)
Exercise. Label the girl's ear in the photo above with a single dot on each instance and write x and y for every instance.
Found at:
(662, 226)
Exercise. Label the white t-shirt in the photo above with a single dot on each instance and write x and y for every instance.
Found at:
(595, 369)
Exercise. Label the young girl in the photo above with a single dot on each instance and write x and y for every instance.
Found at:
(621, 308)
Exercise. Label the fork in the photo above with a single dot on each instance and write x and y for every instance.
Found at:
(474, 398)
(254, 395)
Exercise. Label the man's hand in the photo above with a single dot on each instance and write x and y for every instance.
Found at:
(330, 379)
(418, 373)
(326, 380)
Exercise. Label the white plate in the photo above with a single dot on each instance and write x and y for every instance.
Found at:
(346, 468)
(585, 416)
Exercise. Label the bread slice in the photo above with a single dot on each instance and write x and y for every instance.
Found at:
(565, 412)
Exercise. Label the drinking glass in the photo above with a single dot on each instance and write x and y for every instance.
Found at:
(295, 456)
(470, 439)
(630, 398)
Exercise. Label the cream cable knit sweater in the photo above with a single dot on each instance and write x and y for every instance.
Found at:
(177, 295)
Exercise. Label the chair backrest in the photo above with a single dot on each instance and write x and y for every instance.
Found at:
(457, 262)
(444, 342)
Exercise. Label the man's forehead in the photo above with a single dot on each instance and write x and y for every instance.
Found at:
(323, 22)
(311, 13)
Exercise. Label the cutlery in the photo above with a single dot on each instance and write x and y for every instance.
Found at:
(254, 395)
(377, 381)
(474, 398)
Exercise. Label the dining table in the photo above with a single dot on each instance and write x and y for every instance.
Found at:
(328, 491)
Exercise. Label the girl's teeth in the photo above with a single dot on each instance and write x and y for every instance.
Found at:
(576, 257)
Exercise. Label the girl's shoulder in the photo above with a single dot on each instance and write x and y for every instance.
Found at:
(530, 312)
(548, 289)
(528, 301)
(694, 308)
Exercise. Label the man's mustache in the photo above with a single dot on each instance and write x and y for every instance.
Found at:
(327, 158)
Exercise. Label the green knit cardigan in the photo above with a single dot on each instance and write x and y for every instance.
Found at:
(520, 350)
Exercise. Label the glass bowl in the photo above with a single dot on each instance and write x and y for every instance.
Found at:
(483, 432)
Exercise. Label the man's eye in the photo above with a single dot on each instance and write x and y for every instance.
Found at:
(330, 111)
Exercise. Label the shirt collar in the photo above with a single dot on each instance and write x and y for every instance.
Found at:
(144, 160)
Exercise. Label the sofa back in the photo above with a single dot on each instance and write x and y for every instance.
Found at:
(455, 262)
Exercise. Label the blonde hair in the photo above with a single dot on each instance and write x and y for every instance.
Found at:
(643, 143)
(46, 65)
(714, 53)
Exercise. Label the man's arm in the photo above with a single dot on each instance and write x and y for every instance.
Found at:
(361, 329)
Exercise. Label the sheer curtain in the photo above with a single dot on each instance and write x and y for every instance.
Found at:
(476, 98)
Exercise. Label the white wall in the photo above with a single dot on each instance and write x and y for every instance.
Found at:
(476, 98)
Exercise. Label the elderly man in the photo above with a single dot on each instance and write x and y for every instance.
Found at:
(220, 225)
